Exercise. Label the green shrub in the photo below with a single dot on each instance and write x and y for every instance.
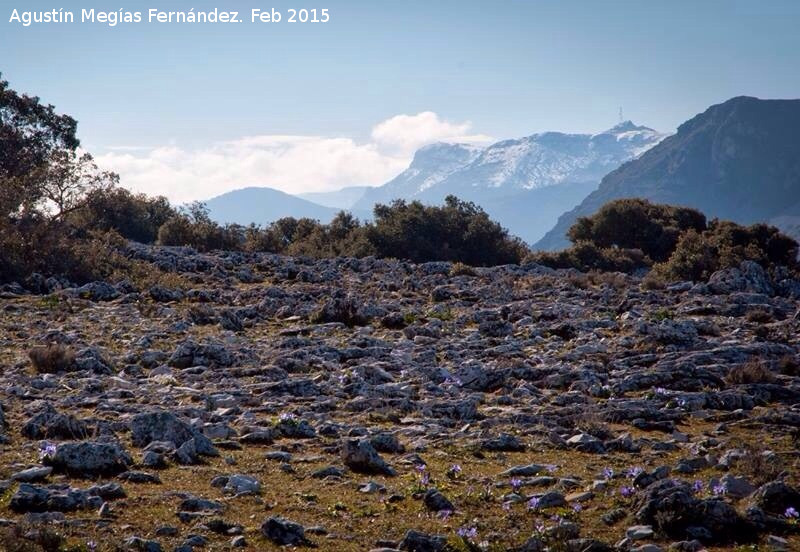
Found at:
(136, 217)
(586, 256)
(457, 231)
(629, 234)
(726, 244)
(194, 227)
(652, 228)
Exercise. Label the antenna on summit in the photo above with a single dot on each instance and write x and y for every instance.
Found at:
(620, 115)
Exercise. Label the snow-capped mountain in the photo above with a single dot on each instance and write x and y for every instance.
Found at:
(524, 183)
(547, 159)
(431, 165)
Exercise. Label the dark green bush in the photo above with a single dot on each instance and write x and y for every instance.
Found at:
(586, 256)
(194, 227)
(457, 231)
(638, 224)
(726, 244)
(628, 234)
(136, 217)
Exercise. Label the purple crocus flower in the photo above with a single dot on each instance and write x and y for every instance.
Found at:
(634, 472)
(467, 533)
(47, 450)
(719, 489)
(627, 492)
(697, 486)
(577, 508)
(516, 484)
(533, 503)
(608, 473)
(791, 513)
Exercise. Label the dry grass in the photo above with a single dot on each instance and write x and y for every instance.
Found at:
(52, 359)
(759, 316)
(749, 372)
(461, 269)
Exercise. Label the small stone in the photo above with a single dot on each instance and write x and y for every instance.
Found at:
(283, 532)
(639, 532)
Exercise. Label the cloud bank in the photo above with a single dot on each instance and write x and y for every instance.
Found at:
(293, 164)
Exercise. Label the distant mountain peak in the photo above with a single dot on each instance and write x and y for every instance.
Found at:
(627, 126)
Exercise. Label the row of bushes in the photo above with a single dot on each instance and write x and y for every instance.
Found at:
(677, 243)
(456, 231)
(61, 215)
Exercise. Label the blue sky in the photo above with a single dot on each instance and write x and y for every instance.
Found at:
(187, 94)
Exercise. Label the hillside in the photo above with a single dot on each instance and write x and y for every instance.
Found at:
(248, 400)
(739, 160)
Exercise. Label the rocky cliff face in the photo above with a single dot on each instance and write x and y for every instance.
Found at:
(739, 160)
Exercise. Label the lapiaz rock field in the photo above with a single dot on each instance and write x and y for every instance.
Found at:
(368, 404)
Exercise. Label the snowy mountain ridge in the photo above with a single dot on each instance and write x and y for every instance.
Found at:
(510, 166)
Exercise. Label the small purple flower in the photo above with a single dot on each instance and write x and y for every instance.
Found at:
(627, 492)
(697, 486)
(454, 471)
(791, 513)
(506, 506)
(660, 391)
(608, 473)
(551, 468)
(91, 546)
(287, 417)
(577, 508)
(516, 484)
(425, 479)
(445, 514)
(420, 468)
(539, 527)
(467, 533)
(46, 450)
(634, 472)
(533, 503)
(719, 489)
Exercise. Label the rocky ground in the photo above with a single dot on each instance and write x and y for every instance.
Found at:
(366, 404)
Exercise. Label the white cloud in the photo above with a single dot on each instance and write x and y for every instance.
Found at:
(407, 133)
(293, 164)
